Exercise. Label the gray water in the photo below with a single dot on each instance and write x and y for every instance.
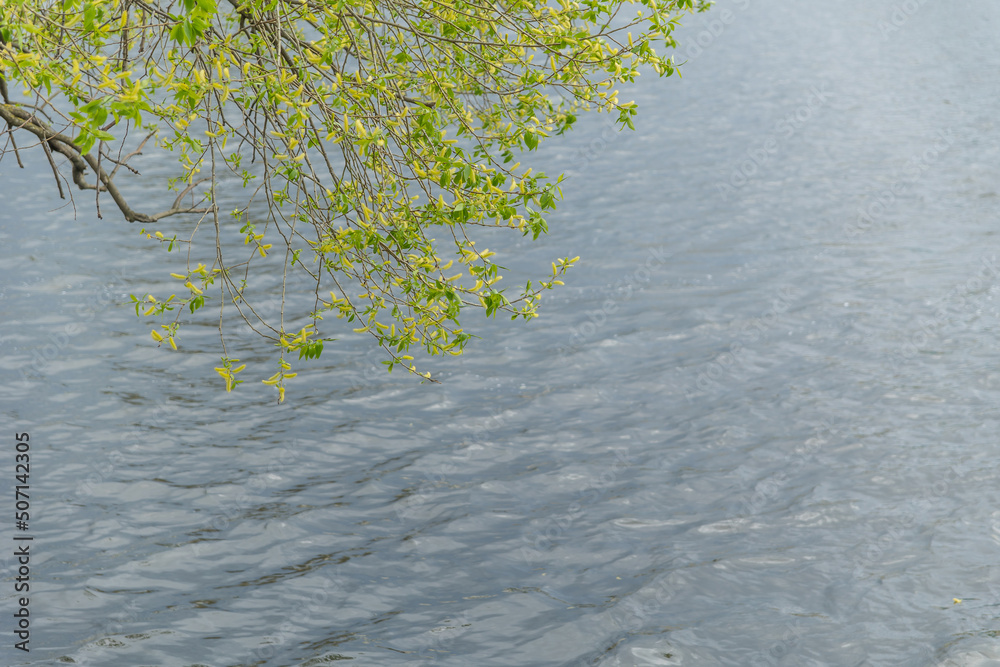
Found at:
(757, 427)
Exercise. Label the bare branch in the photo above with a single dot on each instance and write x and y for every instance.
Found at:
(55, 169)
(18, 118)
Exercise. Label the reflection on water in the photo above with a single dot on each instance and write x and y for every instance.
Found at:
(756, 428)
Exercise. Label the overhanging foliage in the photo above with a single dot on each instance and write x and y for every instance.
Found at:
(358, 129)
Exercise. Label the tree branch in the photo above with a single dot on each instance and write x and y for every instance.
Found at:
(18, 118)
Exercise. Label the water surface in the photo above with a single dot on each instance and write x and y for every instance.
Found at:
(757, 427)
